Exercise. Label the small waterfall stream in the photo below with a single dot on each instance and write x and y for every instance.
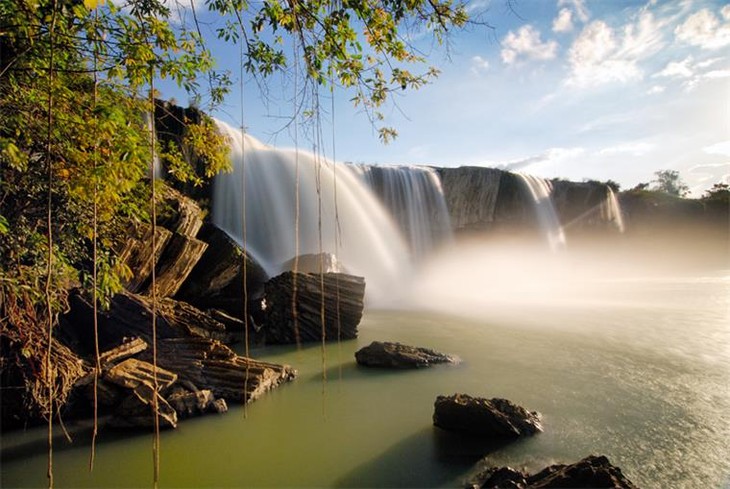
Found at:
(414, 197)
(539, 191)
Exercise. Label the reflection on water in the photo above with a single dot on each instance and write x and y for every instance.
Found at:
(633, 366)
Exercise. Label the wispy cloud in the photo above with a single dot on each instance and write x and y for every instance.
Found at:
(693, 73)
(550, 156)
(578, 6)
(705, 29)
(680, 69)
(479, 65)
(564, 21)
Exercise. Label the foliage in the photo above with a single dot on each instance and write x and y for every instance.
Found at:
(669, 182)
(356, 44)
(74, 141)
(720, 192)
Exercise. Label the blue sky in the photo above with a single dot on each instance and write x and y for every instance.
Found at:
(600, 89)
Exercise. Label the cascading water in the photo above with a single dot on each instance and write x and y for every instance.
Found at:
(539, 191)
(611, 211)
(369, 243)
(414, 197)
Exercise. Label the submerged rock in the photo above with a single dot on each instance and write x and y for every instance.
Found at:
(396, 355)
(591, 472)
(485, 417)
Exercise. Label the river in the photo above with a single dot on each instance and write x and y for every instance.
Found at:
(630, 365)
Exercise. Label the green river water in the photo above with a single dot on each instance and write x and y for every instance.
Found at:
(642, 376)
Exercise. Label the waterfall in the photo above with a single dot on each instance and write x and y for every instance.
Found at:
(369, 242)
(611, 211)
(540, 194)
(414, 197)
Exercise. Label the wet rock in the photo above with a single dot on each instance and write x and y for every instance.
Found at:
(340, 294)
(484, 417)
(591, 472)
(399, 356)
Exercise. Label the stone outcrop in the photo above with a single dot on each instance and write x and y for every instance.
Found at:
(591, 472)
(495, 417)
(341, 295)
(193, 376)
(471, 196)
(216, 282)
(399, 356)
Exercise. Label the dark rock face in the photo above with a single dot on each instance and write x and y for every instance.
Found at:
(495, 417)
(398, 356)
(591, 472)
(288, 323)
(217, 280)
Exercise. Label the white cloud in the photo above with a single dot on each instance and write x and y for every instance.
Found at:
(602, 55)
(680, 69)
(656, 89)
(591, 58)
(578, 6)
(526, 43)
(564, 21)
(725, 12)
(693, 73)
(705, 30)
(479, 65)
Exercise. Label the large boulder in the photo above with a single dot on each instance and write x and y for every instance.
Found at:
(591, 472)
(302, 307)
(495, 417)
(396, 355)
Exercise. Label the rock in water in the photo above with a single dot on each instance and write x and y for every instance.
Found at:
(342, 300)
(591, 472)
(397, 355)
(311, 263)
(485, 417)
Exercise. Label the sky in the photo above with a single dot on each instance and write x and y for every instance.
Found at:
(575, 89)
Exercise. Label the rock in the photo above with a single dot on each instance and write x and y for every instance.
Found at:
(471, 196)
(179, 213)
(484, 417)
(127, 349)
(396, 355)
(179, 257)
(211, 365)
(132, 373)
(591, 472)
(217, 280)
(139, 256)
(343, 305)
(311, 263)
(130, 315)
(190, 403)
(136, 410)
(219, 406)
